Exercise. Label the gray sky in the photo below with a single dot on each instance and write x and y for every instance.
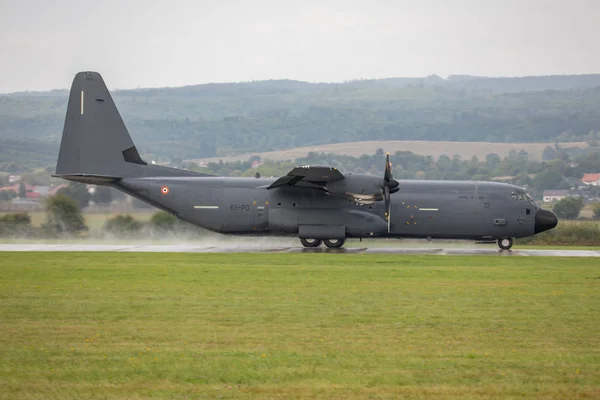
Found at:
(148, 43)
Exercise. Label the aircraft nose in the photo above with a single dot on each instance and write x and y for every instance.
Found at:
(545, 220)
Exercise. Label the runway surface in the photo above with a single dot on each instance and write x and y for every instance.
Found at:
(187, 248)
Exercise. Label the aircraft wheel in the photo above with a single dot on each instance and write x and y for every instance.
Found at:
(334, 243)
(310, 242)
(505, 243)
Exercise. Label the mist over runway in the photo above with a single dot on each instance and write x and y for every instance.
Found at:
(263, 248)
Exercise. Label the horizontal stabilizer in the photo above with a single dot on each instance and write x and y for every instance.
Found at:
(91, 179)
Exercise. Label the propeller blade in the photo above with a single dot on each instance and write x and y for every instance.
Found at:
(390, 185)
(388, 179)
(386, 198)
(389, 219)
(387, 175)
(388, 203)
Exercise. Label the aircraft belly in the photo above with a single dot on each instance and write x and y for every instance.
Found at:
(449, 216)
(435, 222)
(356, 222)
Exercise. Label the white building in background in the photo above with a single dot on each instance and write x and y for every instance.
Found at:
(14, 178)
(591, 179)
(554, 195)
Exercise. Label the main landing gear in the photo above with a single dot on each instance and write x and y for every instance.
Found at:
(331, 243)
(310, 242)
(334, 243)
(505, 243)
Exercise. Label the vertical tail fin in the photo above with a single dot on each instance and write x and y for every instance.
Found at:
(95, 141)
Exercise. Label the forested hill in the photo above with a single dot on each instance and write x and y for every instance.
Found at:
(227, 118)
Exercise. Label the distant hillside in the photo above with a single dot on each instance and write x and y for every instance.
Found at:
(237, 118)
(525, 83)
(466, 150)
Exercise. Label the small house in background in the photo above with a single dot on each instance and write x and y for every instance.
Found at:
(256, 163)
(30, 192)
(554, 195)
(14, 178)
(591, 179)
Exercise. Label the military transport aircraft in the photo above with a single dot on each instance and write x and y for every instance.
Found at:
(318, 204)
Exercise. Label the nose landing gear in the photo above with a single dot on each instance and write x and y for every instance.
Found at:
(505, 243)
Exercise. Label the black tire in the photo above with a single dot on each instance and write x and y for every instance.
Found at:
(310, 242)
(334, 243)
(505, 243)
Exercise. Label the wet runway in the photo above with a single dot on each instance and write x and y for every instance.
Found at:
(189, 248)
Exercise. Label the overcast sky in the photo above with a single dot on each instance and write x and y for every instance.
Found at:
(149, 43)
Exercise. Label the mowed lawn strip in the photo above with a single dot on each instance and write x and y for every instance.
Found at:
(138, 325)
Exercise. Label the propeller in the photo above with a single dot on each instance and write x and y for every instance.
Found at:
(390, 185)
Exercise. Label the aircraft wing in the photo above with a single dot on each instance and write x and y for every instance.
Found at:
(317, 174)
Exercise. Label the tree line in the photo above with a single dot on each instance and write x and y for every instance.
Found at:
(561, 168)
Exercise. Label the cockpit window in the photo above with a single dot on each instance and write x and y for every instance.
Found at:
(520, 195)
(530, 199)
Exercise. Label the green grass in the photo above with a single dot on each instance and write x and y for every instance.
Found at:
(94, 221)
(127, 326)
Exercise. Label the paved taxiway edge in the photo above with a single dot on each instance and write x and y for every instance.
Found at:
(266, 249)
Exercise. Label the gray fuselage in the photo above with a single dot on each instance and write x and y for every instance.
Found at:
(435, 209)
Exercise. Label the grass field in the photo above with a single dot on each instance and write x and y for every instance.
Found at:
(129, 326)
